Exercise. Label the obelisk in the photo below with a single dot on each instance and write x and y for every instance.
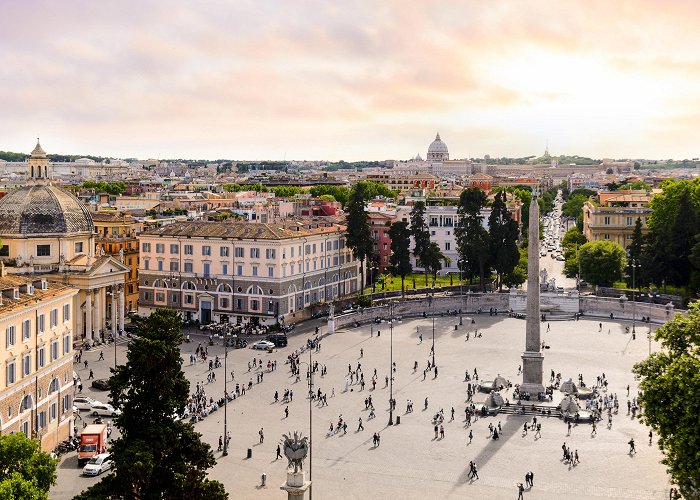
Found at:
(532, 357)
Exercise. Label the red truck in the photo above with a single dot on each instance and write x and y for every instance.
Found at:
(93, 441)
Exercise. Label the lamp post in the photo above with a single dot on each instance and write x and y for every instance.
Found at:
(226, 333)
(432, 301)
(391, 362)
(311, 385)
(634, 304)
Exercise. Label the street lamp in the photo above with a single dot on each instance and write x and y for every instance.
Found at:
(634, 266)
(432, 301)
(311, 386)
(391, 362)
(226, 334)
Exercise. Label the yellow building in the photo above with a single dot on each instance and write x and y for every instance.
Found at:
(117, 235)
(614, 216)
(36, 393)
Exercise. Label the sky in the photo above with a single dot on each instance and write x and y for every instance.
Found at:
(351, 80)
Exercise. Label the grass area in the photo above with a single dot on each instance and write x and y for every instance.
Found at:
(413, 281)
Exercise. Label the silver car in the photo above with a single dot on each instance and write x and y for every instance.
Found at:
(98, 464)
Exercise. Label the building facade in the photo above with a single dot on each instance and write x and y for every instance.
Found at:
(613, 219)
(243, 271)
(36, 320)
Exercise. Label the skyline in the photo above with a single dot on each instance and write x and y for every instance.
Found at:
(315, 81)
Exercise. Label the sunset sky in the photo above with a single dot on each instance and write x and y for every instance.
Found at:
(375, 80)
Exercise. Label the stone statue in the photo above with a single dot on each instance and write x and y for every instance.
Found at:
(20, 260)
(295, 449)
(102, 251)
(61, 259)
(121, 255)
(331, 310)
(31, 261)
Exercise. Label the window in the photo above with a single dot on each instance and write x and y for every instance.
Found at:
(223, 251)
(189, 299)
(629, 221)
(40, 361)
(26, 329)
(10, 336)
(160, 247)
(238, 252)
(145, 247)
(447, 245)
(67, 403)
(270, 272)
(53, 318)
(40, 324)
(66, 313)
(5, 251)
(160, 265)
(188, 250)
(206, 250)
(606, 220)
(160, 297)
(224, 269)
(10, 373)
(66, 344)
(292, 254)
(308, 249)
(270, 253)
(79, 247)
(314, 248)
(42, 419)
(52, 412)
(54, 350)
(254, 253)
(606, 236)
(188, 267)
(146, 264)
(224, 303)
(207, 269)
(255, 270)
(239, 303)
(255, 304)
(174, 249)
(239, 270)
(335, 244)
(26, 365)
(43, 250)
(174, 266)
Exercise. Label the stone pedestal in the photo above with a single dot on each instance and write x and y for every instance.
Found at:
(532, 373)
(331, 326)
(296, 485)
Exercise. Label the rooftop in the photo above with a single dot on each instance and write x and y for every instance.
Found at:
(12, 282)
(246, 230)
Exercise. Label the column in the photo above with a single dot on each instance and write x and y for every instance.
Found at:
(98, 310)
(88, 314)
(121, 308)
(115, 307)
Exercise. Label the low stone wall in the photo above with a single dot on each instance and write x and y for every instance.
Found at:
(625, 309)
(550, 303)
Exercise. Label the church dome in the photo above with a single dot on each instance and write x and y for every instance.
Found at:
(42, 210)
(38, 151)
(438, 150)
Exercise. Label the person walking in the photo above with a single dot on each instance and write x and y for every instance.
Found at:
(470, 436)
(279, 453)
(286, 412)
(221, 443)
(576, 460)
(594, 430)
(521, 489)
(437, 429)
(360, 427)
(650, 436)
(442, 431)
(91, 375)
(102, 356)
(475, 474)
(471, 469)
(632, 449)
(262, 436)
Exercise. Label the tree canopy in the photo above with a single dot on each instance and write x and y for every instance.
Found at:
(358, 235)
(670, 395)
(400, 258)
(156, 456)
(472, 237)
(421, 238)
(341, 194)
(503, 238)
(26, 472)
(114, 188)
(602, 262)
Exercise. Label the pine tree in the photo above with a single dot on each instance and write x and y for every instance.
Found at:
(156, 455)
(472, 237)
(421, 237)
(400, 258)
(359, 236)
(503, 238)
(634, 253)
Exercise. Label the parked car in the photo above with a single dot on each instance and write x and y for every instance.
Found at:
(279, 339)
(98, 464)
(84, 402)
(263, 345)
(101, 384)
(105, 410)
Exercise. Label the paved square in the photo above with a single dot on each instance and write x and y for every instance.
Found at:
(410, 463)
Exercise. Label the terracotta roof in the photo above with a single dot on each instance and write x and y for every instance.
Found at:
(10, 282)
(245, 230)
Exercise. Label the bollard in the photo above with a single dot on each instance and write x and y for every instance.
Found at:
(250, 453)
(460, 321)
(398, 419)
(263, 478)
(456, 327)
(379, 334)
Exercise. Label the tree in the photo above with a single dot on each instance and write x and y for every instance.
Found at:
(400, 258)
(572, 238)
(503, 237)
(359, 236)
(670, 395)
(421, 237)
(340, 193)
(26, 472)
(602, 262)
(434, 259)
(634, 253)
(286, 191)
(156, 455)
(574, 206)
(518, 275)
(472, 237)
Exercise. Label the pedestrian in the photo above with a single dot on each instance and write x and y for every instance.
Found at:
(420, 338)
(91, 375)
(631, 443)
(594, 430)
(471, 469)
(538, 433)
(262, 436)
(436, 431)
(286, 412)
(475, 474)
(525, 429)
(453, 417)
(86, 363)
(470, 436)
(569, 429)
(650, 436)
(628, 390)
(576, 460)
(442, 431)
(532, 479)
(426, 404)
(279, 452)
(102, 356)
(521, 488)
(221, 443)
(436, 372)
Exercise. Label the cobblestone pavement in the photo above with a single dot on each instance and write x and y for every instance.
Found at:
(410, 463)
